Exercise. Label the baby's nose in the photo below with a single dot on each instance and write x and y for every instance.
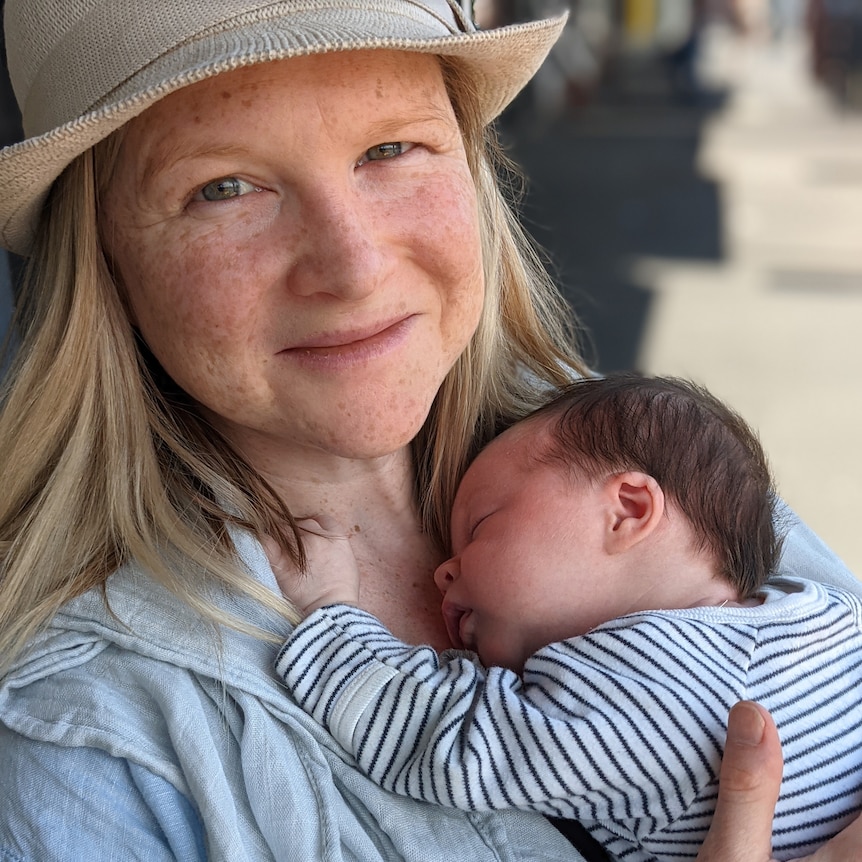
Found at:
(446, 574)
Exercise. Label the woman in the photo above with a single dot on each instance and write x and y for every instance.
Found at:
(271, 275)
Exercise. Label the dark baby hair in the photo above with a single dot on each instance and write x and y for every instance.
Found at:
(707, 460)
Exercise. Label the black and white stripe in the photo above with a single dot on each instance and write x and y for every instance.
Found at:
(621, 729)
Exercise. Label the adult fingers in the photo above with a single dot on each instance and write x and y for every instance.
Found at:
(844, 847)
(749, 784)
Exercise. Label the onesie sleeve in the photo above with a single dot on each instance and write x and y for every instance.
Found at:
(442, 729)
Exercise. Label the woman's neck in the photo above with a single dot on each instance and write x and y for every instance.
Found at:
(397, 586)
(374, 501)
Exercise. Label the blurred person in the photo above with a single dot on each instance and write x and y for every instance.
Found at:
(683, 59)
(494, 13)
(785, 17)
(835, 29)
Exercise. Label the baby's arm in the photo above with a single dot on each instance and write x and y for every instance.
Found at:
(383, 700)
(450, 733)
(331, 575)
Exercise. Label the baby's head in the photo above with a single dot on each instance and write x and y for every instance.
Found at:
(708, 461)
(623, 494)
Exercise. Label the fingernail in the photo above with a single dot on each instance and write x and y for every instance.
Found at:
(747, 725)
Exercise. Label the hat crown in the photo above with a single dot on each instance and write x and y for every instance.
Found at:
(66, 57)
(32, 30)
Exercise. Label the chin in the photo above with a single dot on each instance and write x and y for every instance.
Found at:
(365, 442)
(382, 431)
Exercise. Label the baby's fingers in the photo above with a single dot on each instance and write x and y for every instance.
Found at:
(331, 574)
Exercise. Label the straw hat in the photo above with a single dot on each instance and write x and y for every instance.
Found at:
(83, 68)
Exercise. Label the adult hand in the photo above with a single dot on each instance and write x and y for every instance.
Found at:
(748, 787)
(749, 784)
(331, 575)
(846, 846)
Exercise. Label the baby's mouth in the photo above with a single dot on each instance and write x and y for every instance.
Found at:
(453, 615)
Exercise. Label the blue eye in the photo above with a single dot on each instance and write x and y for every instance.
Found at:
(225, 189)
(389, 150)
(385, 151)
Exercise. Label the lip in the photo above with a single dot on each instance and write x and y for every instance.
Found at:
(453, 615)
(348, 346)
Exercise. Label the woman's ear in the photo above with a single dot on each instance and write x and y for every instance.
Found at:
(635, 508)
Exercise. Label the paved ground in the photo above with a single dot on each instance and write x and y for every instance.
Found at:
(721, 240)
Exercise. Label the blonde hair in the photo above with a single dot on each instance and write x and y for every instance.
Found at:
(103, 463)
(524, 345)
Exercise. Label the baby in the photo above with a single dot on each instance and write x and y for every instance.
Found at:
(609, 567)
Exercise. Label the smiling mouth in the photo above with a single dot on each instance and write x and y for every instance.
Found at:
(347, 351)
(349, 341)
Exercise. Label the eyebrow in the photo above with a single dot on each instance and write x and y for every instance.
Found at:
(168, 156)
(424, 114)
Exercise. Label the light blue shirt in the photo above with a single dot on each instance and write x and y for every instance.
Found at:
(142, 735)
(135, 736)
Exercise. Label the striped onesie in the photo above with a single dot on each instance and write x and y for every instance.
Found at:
(621, 729)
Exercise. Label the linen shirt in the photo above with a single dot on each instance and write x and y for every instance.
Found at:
(141, 733)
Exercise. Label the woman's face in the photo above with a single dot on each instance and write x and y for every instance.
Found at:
(298, 242)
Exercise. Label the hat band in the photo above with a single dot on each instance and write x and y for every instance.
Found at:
(158, 31)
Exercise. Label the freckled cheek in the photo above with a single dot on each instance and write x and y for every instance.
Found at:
(447, 246)
(185, 296)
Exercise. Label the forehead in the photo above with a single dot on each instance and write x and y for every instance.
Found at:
(509, 458)
(309, 98)
(508, 467)
(317, 80)
(526, 440)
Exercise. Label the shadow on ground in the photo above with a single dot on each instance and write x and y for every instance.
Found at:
(611, 181)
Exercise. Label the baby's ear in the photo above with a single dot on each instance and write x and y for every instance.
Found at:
(635, 505)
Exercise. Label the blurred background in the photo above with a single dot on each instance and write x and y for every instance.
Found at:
(694, 173)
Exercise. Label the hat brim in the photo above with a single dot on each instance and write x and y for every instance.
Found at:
(499, 62)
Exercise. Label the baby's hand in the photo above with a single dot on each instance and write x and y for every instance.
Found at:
(331, 576)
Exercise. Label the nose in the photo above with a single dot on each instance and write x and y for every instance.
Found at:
(446, 574)
(341, 249)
